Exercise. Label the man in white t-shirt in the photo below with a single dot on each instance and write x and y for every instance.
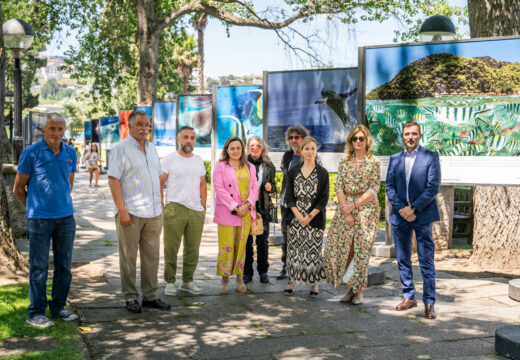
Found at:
(184, 213)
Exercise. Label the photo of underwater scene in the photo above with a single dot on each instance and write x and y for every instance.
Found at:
(322, 100)
(88, 132)
(109, 131)
(465, 96)
(37, 120)
(164, 121)
(238, 112)
(196, 111)
(123, 123)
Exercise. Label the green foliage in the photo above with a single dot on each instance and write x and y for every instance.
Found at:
(50, 88)
(14, 300)
(207, 165)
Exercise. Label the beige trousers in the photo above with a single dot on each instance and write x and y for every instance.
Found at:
(141, 235)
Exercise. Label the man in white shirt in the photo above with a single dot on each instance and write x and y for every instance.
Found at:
(184, 213)
(133, 177)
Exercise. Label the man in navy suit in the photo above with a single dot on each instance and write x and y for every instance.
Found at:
(412, 182)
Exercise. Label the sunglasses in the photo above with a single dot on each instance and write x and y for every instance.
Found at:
(296, 137)
(360, 139)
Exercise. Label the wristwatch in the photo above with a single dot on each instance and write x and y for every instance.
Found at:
(412, 207)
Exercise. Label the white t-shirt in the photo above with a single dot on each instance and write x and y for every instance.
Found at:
(183, 184)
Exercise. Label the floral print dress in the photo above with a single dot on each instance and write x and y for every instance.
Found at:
(353, 179)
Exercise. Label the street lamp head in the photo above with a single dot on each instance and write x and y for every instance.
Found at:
(9, 96)
(18, 35)
(437, 28)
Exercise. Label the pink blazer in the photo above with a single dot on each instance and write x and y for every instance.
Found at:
(228, 194)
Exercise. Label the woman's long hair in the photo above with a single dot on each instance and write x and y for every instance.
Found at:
(92, 148)
(349, 149)
(224, 156)
(265, 148)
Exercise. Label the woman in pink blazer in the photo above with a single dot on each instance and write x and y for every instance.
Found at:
(236, 190)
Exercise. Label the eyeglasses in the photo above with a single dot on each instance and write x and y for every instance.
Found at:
(295, 137)
(360, 139)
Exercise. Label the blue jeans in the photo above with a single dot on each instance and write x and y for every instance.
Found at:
(40, 232)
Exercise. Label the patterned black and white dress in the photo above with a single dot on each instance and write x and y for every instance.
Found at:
(304, 243)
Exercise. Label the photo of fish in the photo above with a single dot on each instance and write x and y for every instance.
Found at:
(464, 94)
(196, 111)
(123, 123)
(322, 100)
(238, 112)
(164, 122)
(109, 132)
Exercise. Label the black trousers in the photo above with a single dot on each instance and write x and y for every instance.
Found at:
(284, 212)
(262, 251)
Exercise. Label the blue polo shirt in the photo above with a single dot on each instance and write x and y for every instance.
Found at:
(48, 189)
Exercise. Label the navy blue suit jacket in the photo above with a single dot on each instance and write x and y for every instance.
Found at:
(425, 181)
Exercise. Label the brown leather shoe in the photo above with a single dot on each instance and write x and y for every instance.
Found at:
(429, 312)
(406, 304)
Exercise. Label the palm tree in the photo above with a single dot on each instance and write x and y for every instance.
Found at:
(185, 58)
(200, 21)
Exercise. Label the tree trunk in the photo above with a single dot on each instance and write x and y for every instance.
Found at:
(200, 24)
(12, 263)
(496, 229)
(149, 37)
(493, 17)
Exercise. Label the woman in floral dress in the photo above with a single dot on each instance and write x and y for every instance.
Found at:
(307, 196)
(353, 229)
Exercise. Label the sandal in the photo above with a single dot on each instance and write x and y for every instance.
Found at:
(288, 292)
(313, 294)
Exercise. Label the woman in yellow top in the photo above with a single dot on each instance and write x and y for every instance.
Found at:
(353, 229)
(236, 192)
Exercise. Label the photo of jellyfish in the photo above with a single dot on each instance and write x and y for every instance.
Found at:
(88, 131)
(238, 112)
(95, 131)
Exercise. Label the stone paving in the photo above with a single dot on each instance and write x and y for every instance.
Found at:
(263, 323)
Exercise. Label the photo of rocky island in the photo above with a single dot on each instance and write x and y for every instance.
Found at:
(465, 95)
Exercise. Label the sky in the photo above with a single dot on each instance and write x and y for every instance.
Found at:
(251, 51)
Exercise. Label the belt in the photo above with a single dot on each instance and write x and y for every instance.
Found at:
(359, 193)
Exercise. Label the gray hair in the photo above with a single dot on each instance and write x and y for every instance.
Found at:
(135, 114)
(299, 129)
(54, 117)
(265, 148)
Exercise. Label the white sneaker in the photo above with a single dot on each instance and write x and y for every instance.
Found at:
(190, 288)
(40, 321)
(170, 289)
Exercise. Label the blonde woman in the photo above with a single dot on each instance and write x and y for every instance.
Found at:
(307, 197)
(353, 229)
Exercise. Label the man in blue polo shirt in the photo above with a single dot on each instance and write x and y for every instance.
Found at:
(48, 168)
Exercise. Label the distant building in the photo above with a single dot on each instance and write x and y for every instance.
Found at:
(53, 68)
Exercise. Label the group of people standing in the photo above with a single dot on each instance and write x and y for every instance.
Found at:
(243, 184)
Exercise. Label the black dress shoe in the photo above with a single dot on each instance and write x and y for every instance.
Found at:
(264, 278)
(133, 306)
(282, 275)
(156, 304)
(247, 278)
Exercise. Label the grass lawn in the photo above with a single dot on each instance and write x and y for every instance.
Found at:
(14, 300)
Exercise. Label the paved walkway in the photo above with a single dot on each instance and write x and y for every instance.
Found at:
(264, 324)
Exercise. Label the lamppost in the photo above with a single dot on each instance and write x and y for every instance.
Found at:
(9, 98)
(18, 36)
(437, 28)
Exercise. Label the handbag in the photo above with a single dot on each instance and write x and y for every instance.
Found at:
(258, 227)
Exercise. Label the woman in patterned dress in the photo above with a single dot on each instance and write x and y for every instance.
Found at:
(353, 229)
(307, 196)
(236, 192)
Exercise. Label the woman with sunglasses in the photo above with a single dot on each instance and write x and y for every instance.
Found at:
(236, 192)
(353, 229)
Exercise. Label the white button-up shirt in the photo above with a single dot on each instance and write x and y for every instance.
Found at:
(138, 172)
(409, 160)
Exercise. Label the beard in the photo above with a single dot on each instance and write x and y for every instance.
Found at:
(187, 148)
(295, 148)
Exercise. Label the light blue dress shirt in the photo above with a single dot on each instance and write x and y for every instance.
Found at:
(409, 160)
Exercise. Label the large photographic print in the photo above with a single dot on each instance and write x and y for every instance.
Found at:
(164, 122)
(238, 112)
(196, 111)
(109, 131)
(464, 94)
(123, 123)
